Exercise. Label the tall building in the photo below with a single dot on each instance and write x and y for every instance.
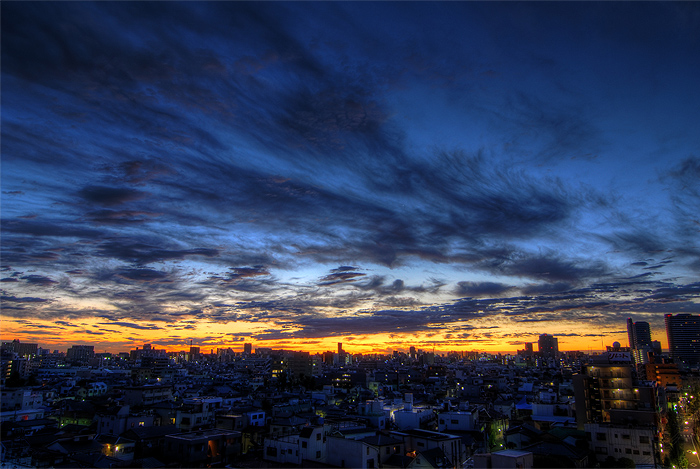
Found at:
(548, 346)
(641, 345)
(639, 334)
(630, 333)
(248, 348)
(642, 334)
(683, 332)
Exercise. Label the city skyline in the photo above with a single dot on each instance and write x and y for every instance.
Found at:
(464, 176)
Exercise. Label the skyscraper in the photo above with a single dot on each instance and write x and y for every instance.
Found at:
(630, 333)
(638, 334)
(683, 331)
(548, 346)
(642, 334)
(641, 345)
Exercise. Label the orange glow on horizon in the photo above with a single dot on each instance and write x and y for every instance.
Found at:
(211, 336)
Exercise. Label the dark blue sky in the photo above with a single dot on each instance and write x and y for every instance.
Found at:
(468, 175)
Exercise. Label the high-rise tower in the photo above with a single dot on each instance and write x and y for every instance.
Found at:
(683, 332)
(548, 346)
(639, 334)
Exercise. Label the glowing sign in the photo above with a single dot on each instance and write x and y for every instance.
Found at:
(619, 356)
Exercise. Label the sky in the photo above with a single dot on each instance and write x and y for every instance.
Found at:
(447, 175)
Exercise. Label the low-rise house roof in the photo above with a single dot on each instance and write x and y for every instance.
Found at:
(145, 433)
(434, 457)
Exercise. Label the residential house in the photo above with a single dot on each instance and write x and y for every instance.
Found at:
(117, 447)
(344, 452)
(147, 395)
(420, 440)
(507, 459)
(433, 458)
(150, 441)
(116, 420)
(206, 447)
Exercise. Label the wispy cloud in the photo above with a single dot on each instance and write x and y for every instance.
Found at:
(344, 178)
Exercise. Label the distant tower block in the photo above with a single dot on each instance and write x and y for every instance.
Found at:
(548, 346)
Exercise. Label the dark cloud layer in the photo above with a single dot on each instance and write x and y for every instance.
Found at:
(313, 166)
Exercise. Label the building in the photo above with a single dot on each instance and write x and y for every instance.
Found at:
(459, 421)
(248, 348)
(508, 459)
(299, 364)
(638, 334)
(118, 419)
(22, 350)
(203, 448)
(642, 348)
(665, 374)
(683, 331)
(21, 404)
(346, 452)
(147, 395)
(80, 353)
(307, 445)
(607, 393)
(548, 346)
(422, 440)
(636, 442)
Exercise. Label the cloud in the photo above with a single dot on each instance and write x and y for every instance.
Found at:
(343, 274)
(121, 216)
(240, 273)
(551, 268)
(38, 280)
(142, 253)
(237, 153)
(49, 228)
(544, 288)
(66, 323)
(131, 325)
(103, 195)
(481, 288)
(144, 275)
(25, 299)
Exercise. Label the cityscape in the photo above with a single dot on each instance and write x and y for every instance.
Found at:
(629, 406)
(252, 234)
